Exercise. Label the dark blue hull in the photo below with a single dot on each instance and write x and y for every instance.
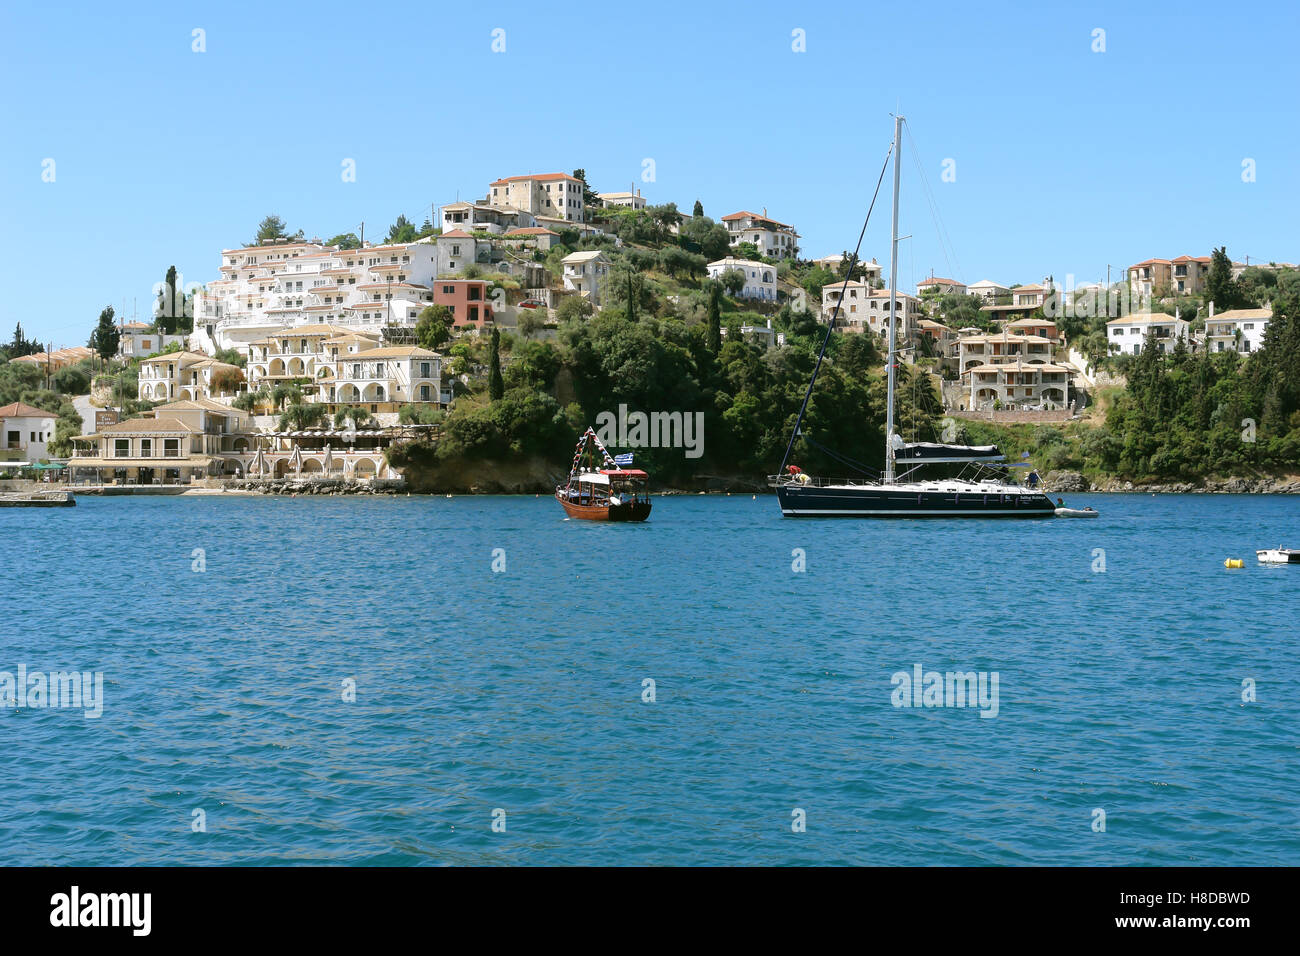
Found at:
(883, 501)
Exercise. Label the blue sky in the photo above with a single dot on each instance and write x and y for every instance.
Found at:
(1065, 159)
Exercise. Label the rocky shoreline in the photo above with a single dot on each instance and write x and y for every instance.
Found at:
(1074, 482)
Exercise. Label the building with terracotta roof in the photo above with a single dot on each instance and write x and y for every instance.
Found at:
(541, 194)
(940, 286)
(773, 239)
(59, 358)
(1185, 275)
(26, 431)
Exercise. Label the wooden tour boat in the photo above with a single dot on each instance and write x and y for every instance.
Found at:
(600, 489)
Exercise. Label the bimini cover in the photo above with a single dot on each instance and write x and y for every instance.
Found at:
(931, 452)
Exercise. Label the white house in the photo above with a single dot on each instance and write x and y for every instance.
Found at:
(626, 200)
(1126, 334)
(139, 340)
(760, 278)
(26, 430)
(585, 272)
(987, 290)
(773, 239)
(1239, 330)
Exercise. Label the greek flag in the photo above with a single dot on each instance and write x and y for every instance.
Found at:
(623, 460)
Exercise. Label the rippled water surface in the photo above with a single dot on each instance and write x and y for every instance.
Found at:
(1119, 690)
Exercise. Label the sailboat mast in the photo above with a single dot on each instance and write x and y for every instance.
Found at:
(893, 309)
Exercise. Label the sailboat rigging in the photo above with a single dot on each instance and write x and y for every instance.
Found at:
(986, 493)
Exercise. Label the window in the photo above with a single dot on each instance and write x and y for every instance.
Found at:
(146, 447)
(424, 370)
(171, 448)
(424, 393)
(121, 448)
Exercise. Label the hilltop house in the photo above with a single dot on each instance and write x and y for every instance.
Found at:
(1185, 275)
(939, 286)
(988, 290)
(773, 239)
(625, 200)
(546, 194)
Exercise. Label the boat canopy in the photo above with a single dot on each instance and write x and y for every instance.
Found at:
(624, 473)
(592, 477)
(931, 452)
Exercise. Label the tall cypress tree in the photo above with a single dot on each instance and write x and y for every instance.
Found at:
(714, 341)
(496, 385)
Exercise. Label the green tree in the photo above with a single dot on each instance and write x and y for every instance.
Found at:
(358, 416)
(530, 322)
(401, 231)
(1220, 287)
(701, 234)
(733, 280)
(496, 386)
(346, 240)
(573, 308)
(698, 211)
(433, 327)
(301, 415)
(714, 311)
(272, 227)
(105, 338)
(20, 345)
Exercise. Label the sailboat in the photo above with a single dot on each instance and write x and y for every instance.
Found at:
(981, 491)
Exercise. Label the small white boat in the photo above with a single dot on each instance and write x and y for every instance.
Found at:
(1279, 556)
(1076, 513)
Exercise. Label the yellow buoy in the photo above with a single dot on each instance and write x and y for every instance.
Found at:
(1233, 563)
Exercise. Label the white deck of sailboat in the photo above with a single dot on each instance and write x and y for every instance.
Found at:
(987, 486)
